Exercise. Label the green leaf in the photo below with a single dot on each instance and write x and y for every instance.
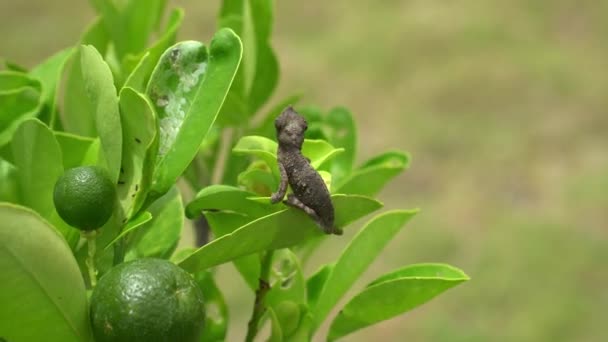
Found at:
(136, 222)
(343, 134)
(318, 151)
(288, 290)
(9, 186)
(286, 281)
(259, 147)
(77, 150)
(373, 175)
(19, 101)
(315, 284)
(49, 75)
(96, 35)
(259, 179)
(130, 24)
(258, 74)
(423, 270)
(11, 80)
(138, 150)
(77, 114)
(225, 222)
(42, 291)
(140, 66)
(216, 310)
(265, 78)
(276, 334)
(38, 157)
(101, 93)
(278, 230)
(12, 66)
(398, 293)
(356, 258)
(226, 197)
(186, 105)
(159, 237)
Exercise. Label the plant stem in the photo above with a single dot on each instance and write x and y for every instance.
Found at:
(258, 306)
(90, 261)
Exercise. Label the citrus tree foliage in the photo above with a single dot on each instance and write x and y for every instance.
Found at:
(167, 118)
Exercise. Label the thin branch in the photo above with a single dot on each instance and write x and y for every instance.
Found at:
(260, 294)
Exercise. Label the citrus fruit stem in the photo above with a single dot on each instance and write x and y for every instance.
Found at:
(90, 261)
(259, 306)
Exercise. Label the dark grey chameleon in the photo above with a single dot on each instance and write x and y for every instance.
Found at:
(310, 193)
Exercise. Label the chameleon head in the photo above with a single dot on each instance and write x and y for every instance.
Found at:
(290, 128)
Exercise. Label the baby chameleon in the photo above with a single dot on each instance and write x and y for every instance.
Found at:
(310, 193)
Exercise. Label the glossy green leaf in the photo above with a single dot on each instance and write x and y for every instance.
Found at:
(12, 66)
(77, 150)
(286, 281)
(318, 151)
(374, 174)
(159, 236)
(77, 112)
(266, 70)
(258, 178)
(258, 147)
(400, 292)
(232, 9)
(38, 157)
(276, 334)
(266, 75)
(316, 283)
(11, 80)
(258, 74)
(288, 290)
(96, 35)
(226, 197)
(49, 75)
(234, 109)
(140, 66)
(188, 88)
(315, 118)
(343, 133)
(41, 289)
(216, 310)
(278, 230)
(130, 24)
(9, 186)
(34, 145)
(303, 332)
(357, 257)
(133, 224)
(19, 101)
(101, 93)
(138, 150)
(225, 222)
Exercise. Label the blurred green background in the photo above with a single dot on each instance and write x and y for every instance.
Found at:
(503, 107)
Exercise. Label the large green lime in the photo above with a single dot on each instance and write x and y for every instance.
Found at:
(84, 197)
(147, 300)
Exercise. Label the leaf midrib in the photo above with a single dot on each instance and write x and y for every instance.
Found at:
(44, 290)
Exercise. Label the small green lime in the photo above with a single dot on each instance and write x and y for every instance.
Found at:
(150, 300)
(84, 197)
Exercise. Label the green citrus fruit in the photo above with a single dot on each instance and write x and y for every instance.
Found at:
(147, 300)
(84, 197)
